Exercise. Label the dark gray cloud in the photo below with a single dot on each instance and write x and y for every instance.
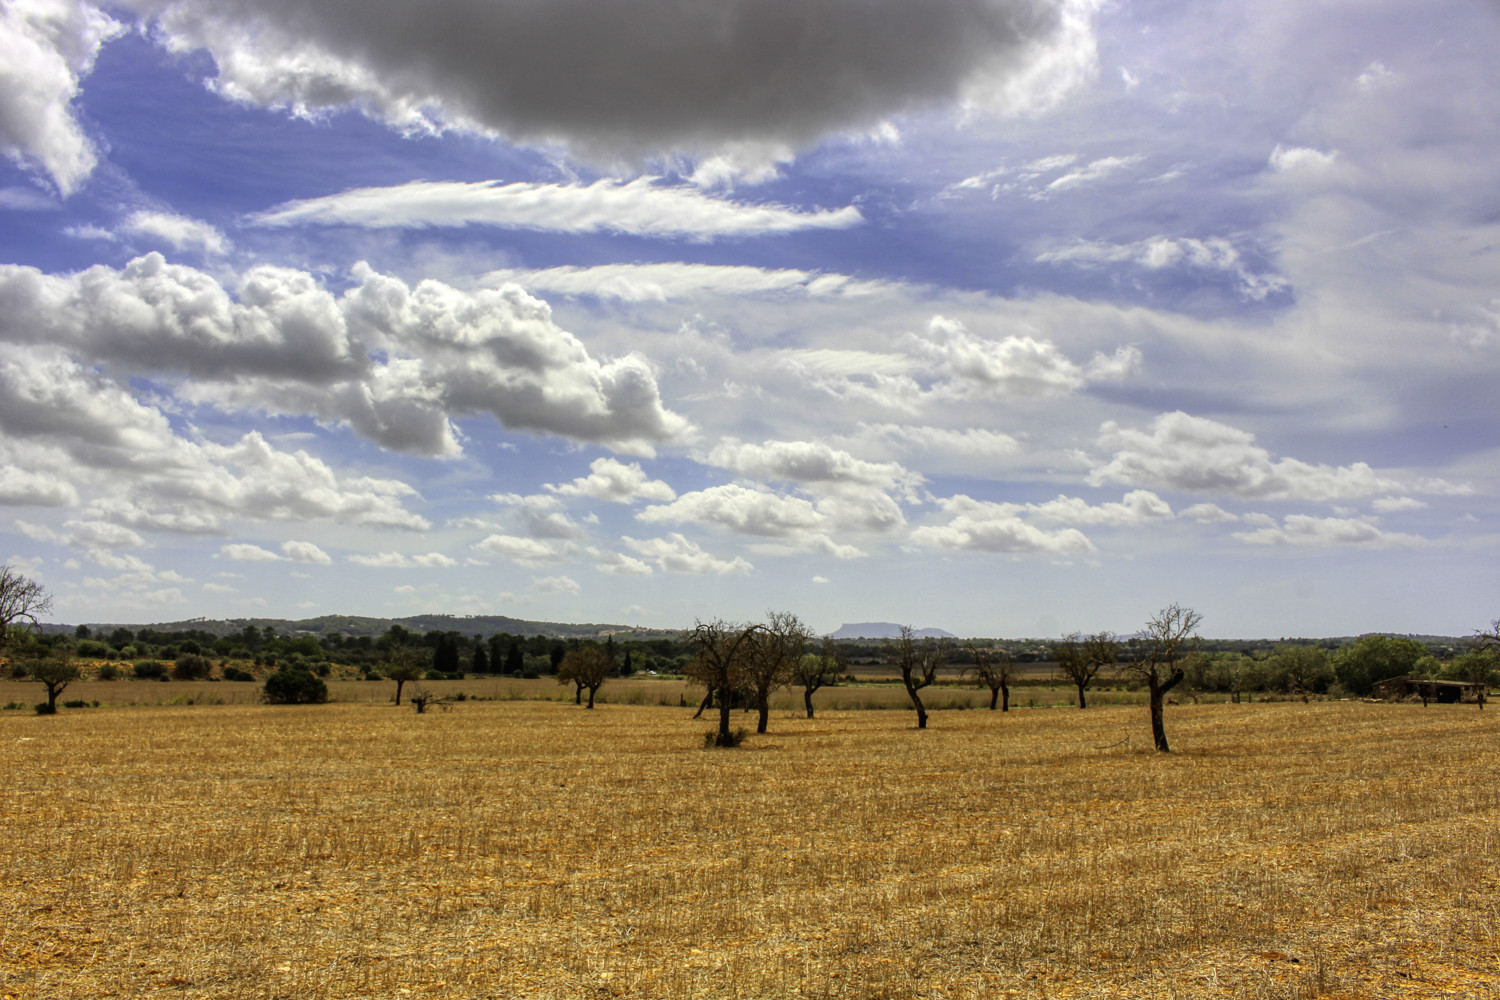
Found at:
(634, 77)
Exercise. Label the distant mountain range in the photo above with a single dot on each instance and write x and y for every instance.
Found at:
(356, 625)
(486, 625)
(886, 630)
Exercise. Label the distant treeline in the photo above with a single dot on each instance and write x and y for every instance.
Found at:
(1300, 666)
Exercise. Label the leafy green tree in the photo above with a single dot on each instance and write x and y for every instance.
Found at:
(56, 672)
(1371, 659)
(587, 668)
(515, 659)
(295, 686)
(480, 664)
(406, 663)
(1301, 670)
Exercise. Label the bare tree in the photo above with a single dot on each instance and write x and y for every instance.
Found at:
(993, 669)
(22, 602)
(773, 654)
(587, 667)
(1487, 644)
(1168, 635)
(1080, 659)
(56, 672)
(723, 652)
(816, 670)
(1102, 650)
(918, 662)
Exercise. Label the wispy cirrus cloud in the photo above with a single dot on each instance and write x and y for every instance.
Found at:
(640, 207)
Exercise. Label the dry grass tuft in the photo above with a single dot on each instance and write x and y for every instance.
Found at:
(528, 849)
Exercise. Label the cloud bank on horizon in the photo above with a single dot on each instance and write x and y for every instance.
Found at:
(1017, 316)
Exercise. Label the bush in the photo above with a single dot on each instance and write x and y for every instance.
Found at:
(109, 672)
(17, 670)
(736, 737)
(289, 686)
(45, 708)
(191, 667)
(92, 649)
(149, 670)
(236, 674)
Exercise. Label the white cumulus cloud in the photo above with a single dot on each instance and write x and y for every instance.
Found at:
(46, 46)
(678, 554)
(1198, 455)
(179, 231)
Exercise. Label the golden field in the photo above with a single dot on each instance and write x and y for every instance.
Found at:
(535, 849)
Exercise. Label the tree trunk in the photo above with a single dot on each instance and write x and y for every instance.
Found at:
(706, 703)
(1005, 697)
(763, 705)
(916, 701)
(1081, 702)
(578, 695)
(725, 739)
(807, 694)
(994, 698)
(591, 697)
(399, 685)
(1158, 728)
(1158, 697)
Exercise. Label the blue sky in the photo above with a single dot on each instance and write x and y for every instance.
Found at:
(1009, 317)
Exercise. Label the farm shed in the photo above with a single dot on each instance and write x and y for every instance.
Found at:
(1426, 688)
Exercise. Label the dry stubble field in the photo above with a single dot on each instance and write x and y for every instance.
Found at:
(525, 849)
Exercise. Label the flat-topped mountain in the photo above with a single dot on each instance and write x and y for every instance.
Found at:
(886, 630)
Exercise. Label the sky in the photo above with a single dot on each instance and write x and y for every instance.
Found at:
(1007, 317)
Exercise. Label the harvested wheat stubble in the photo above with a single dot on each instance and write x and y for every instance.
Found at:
(514, 849)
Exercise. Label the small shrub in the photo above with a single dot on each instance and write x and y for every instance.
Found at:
(44, 708)
(323, 669)
(109, 672)
(79, 703)
(148, 670)
(435, 675)
(288, 686)
(17, 670)
(236, 674)
(528, 675)
(191, 667)
(736, 737)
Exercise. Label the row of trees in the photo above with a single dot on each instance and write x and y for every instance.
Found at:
(1155, 661)
(749, 661)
